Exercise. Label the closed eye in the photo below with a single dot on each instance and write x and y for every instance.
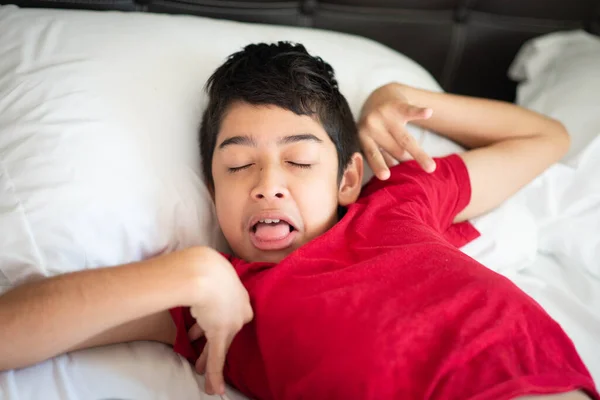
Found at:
(237, 169)
(299, 165)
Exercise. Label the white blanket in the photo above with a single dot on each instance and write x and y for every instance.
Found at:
(565, 279)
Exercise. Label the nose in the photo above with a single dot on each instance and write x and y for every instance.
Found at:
(271, 185)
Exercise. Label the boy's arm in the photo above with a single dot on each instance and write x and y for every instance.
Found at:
(508, 145)
(125, 303)
(40, 320)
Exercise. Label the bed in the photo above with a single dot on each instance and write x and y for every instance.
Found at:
(99, 106)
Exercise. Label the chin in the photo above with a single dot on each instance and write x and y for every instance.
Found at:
(252, 254)
(270, 256)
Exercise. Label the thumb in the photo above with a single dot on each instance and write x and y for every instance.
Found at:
(195, 332)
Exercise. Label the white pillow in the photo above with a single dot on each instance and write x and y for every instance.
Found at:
(559, 76)
(98, 130)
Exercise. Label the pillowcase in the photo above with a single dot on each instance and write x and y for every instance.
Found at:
(559, 76)
(99, 113)
(98, 130)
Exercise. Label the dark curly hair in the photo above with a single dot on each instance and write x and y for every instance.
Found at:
(284, 75)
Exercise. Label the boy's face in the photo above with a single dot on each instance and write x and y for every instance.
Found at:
(276, 181)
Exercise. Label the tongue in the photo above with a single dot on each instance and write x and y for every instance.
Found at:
(270, 232)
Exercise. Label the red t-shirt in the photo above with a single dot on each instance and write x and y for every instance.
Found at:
(385, 306)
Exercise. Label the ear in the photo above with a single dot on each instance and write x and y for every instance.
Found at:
(351, 183)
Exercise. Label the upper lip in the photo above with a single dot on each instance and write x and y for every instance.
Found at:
(271, 214)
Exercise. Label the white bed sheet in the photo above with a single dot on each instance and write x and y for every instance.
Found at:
(572, 297)
(565, 277)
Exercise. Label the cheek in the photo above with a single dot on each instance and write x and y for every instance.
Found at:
(318, 201)
(228, 205)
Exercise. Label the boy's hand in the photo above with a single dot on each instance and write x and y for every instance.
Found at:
(383, 137)
(221, 313)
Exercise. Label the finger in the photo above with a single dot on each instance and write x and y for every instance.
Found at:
(408, 143)
(195, 332)
(406, 157)
(412, 113)
(389, 160)
(217, 350)
(374, 135)
(201, 361)
(375, 158)
(377, 129)
(423, 159)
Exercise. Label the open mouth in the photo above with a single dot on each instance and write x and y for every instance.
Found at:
(272, 234)
(278, 224)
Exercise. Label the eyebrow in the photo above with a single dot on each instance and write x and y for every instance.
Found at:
(245, 140)
(299, 138)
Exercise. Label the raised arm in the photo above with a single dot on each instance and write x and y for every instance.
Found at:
(508, 146)
(43, 319)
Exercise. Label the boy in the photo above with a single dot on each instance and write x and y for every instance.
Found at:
(356, 296)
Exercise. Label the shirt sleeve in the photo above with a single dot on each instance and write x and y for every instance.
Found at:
(433, 198)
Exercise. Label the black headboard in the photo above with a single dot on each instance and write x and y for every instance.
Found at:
(466, 44)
